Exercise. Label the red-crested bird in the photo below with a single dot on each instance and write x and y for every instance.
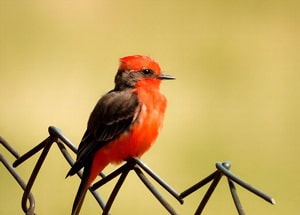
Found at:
(124, 123)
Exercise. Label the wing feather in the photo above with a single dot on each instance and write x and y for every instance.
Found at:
(113, 115)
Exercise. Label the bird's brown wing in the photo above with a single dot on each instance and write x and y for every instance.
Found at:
(113, 115)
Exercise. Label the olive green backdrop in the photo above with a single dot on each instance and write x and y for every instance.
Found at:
(236, 96)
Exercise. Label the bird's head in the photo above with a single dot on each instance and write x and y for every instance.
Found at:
(137, 70)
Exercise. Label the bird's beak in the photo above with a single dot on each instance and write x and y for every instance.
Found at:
(165, 77)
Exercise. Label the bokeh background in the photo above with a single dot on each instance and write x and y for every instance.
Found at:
(236, 96)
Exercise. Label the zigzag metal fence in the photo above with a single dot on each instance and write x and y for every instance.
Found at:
(140, 168)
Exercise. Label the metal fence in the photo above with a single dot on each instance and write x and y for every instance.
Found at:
(136, 165)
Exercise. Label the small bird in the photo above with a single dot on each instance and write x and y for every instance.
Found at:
(124, 123)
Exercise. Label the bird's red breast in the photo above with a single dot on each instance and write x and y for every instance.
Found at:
(140, 136)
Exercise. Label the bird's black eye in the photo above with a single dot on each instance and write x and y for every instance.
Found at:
(147, 71)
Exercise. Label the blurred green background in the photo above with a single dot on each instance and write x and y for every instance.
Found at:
(236, 96)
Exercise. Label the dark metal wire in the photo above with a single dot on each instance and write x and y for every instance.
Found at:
(224, 168)
(198, 185)
(55, 136)
(235, 197)
(135, 164)
(152, 189)
(208, 193)
(71, 162)
(30, 209)
(159, 180)
(115, 191)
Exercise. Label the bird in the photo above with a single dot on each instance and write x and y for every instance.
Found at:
(124, 123)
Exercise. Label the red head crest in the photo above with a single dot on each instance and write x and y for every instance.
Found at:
(139, 62)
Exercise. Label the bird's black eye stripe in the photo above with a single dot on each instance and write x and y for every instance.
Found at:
(147, 71)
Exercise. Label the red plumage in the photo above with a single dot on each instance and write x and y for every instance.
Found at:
(124, 123)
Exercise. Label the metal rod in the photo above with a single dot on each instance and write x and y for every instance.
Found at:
(30, 209)
(31, 152)
(198, 185)
(158, 179)
(111, 176)
(71, 162)
(13, 172)
(35, 172)
(244, 184)
(53, 131)
(152, 189)
(208, 193)
(235, 197)
(115, 192)
(9, 147)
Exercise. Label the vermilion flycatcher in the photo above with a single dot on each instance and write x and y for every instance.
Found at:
(124, 123)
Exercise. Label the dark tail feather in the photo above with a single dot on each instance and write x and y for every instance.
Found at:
(83, 188)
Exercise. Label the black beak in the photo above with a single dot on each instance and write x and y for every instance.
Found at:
(165, 77)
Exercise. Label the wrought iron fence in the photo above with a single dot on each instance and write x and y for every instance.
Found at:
(134, 164)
